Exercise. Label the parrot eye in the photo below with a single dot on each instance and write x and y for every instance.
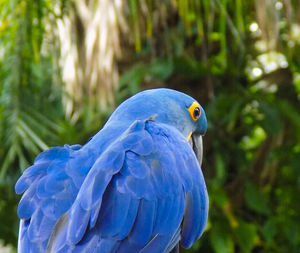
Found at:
(195, 111)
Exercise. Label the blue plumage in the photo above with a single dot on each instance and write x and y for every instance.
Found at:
(136, 186)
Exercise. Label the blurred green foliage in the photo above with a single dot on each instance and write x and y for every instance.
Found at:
(240, 59)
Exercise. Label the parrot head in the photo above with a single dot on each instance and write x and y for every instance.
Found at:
(168, 107)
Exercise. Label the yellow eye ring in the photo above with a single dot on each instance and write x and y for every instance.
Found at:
(195, 111)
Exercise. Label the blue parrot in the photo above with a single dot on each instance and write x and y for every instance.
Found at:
(136, 186)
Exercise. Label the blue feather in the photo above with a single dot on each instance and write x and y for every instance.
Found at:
(184, 173)
(136, 165)
(114, 212)
(40, 228)
(195, 216)
(174, 240)
(48, 208)
(26, 205)
(158, 179)
(94, 215)
(107, 246)
(126, 246)
(139, 188)
(29, 176)
(41, 191)
(164, 210)
(157, 244)
(79, 221)
(124, 230)
(52, 154)
(99, 177)
(143, 226)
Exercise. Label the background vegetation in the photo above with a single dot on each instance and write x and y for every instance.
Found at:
(65, 65)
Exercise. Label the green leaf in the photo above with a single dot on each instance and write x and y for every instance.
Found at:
(290, 112)
(220, 168)
(272, 121)
(133, 8)
(188, 66)
(221, 239)
(132, 78)
(161, 69)
(246, 235)
(219, 196)
(42, 145)
(256, 200)
(269, 230)
(234, 113)
(130, 81)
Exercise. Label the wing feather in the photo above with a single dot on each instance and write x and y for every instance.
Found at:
(131, 197)
(195, 217)
(114, 214)
(143, 225)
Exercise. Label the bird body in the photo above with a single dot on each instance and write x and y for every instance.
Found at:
(136, 186)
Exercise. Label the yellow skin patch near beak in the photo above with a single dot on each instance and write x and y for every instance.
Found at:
(189, 137)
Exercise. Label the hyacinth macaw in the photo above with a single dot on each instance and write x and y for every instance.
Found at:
(136, 186)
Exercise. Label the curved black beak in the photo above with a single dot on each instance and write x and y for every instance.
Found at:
(196, 142)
